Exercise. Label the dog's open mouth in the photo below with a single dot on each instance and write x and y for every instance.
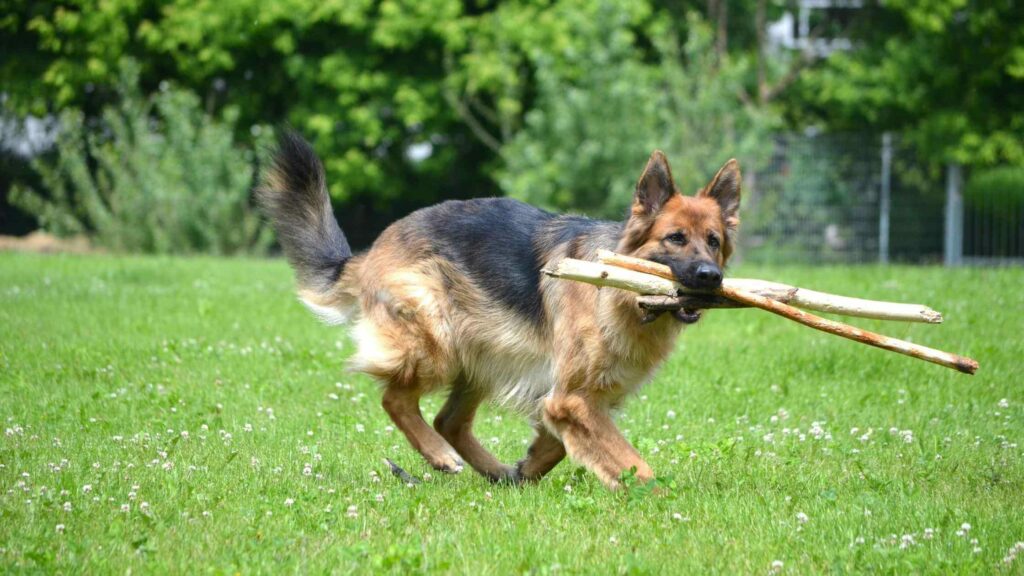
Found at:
(687, 316)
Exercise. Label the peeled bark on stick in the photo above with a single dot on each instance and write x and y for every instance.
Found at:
(947, 359)
(662, 294)
(662, 272)
(658, 293)
(799, 297)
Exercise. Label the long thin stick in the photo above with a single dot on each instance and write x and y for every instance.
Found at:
(947, 359)
(954, 361)
(799, 297)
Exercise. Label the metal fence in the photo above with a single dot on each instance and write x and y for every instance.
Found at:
(854, 198)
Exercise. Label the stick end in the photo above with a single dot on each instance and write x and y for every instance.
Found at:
(931, 316)
(966, 365)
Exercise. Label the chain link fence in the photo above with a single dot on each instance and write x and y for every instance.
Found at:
(856, 198)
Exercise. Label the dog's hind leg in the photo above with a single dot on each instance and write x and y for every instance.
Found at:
(545, 452)
(403, 406)
(455, 423)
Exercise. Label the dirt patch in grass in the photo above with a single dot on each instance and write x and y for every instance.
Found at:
(43, 243)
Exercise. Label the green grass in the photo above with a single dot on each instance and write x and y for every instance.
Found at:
(106, 363)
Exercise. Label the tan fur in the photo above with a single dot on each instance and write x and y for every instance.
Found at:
(421, 326)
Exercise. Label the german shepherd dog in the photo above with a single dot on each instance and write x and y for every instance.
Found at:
(452, 297)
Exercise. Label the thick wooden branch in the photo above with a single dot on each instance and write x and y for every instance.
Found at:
(799, 297)
(653, 279)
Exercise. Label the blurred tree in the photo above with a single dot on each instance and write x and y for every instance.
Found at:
(410, 102)
(948, 74)
(361, 79)
(152, 174)
(588, 135)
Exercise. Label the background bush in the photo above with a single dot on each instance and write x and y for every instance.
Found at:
(411, 102)
(154, 175)
(589, 134)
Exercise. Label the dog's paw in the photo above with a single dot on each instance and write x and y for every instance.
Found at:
(447, 463)
(509, 475)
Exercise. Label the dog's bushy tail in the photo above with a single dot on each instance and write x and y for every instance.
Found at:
(293, 194)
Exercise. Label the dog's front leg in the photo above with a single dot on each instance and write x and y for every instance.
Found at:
(591, 437)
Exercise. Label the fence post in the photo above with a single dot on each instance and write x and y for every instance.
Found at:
(954, 242)
(885, 200)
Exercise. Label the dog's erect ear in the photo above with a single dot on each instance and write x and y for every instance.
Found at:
(724, 188)
(655, 186)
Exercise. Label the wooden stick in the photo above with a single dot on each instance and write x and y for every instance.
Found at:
(954, 361)
(799, 297)
(601, 275)
(658, 294)
(949, 360)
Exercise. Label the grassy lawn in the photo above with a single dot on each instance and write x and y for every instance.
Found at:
(188, 415)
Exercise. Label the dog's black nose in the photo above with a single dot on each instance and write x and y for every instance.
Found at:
(708, 275)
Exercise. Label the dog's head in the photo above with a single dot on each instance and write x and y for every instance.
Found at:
(692, 235)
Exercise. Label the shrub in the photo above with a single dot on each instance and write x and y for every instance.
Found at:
(154, 174)
(590, 132)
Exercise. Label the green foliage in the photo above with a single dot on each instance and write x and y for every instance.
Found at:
(948, 74)
(994, 198)
(361, 79)
(1002, 185)
(587, 138)
(153, 175)
(368, 80)
(557, 102)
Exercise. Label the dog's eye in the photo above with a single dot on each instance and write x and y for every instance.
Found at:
(676, 238)
(713, 241)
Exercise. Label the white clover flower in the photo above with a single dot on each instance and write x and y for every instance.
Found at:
(352, 511)
(60, 528)
(776, 567)
(289, 501)
(802, 518)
